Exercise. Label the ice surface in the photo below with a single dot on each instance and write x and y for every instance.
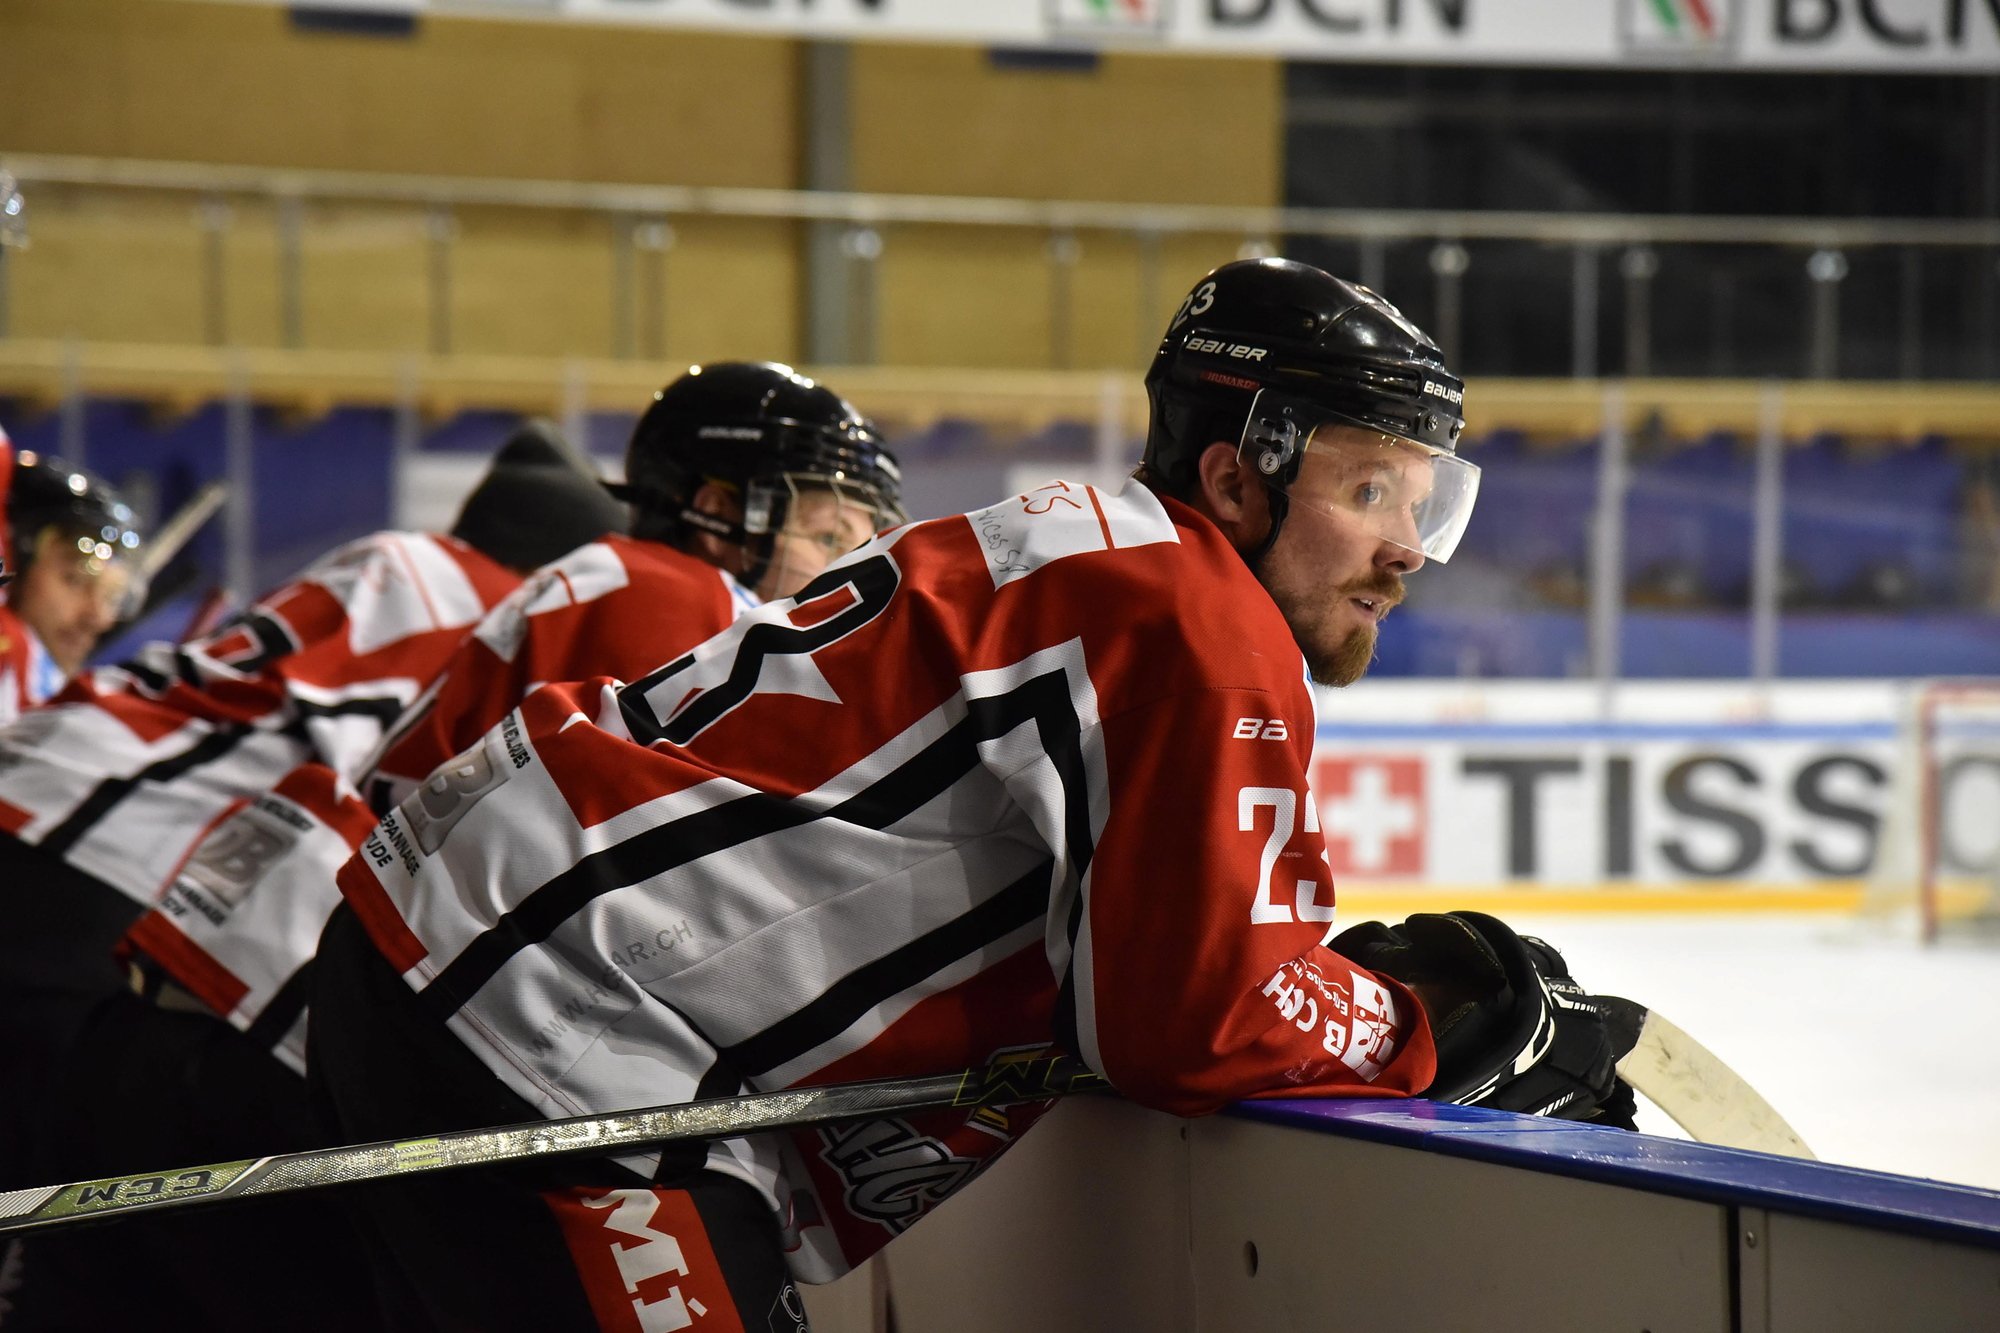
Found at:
(1880, 1052)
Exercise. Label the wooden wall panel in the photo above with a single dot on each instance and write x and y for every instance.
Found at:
(175, 80)
(1137, 128)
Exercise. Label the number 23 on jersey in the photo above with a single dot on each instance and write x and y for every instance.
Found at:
(1282, 895)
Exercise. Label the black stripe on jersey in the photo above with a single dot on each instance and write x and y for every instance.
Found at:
(268, 1029)
(842, 1004)
(273, 637)
(152, 683)
(1063, 1016)
(113, 790)
(1043, 699)
(873, 582)
(637, 858)
(384, 708)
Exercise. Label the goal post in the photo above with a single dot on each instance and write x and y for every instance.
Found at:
(1938, 853)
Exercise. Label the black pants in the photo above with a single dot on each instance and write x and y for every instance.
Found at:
(536, 1246)
(145, 1090)
(58, 928)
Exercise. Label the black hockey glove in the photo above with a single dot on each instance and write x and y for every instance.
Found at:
(1513, 1031)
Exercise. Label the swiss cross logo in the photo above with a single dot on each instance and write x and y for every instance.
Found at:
(1372, 812)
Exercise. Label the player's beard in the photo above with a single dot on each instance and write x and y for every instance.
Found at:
(1346, 661)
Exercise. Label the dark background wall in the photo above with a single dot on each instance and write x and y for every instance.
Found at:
(1650, 142)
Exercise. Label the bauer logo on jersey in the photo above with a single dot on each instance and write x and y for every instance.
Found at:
(1700, 28)
(1065, 518)
(1372, 813)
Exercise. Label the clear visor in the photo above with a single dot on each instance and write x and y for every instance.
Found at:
(101, 565)
(1393, 489)
(837, 513)
(824, 519)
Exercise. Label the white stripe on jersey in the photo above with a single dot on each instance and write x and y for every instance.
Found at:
(346, 724)
(155, 824)
(39, 771)
(754, 885)
(420, 587)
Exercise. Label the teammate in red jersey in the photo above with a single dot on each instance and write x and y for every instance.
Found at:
(1030, 777)
(745, 479)
(106, 791)
(741, 476)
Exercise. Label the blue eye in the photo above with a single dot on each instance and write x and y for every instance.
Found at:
(1371, 494)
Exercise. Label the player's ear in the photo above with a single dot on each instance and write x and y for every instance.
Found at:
(1227, 491)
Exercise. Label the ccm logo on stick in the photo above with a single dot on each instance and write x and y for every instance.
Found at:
(1260, 729)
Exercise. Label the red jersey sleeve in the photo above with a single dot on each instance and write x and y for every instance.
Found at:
(616, 607)
(1201, 976)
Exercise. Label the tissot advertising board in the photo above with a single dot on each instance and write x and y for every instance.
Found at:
(1442, 786)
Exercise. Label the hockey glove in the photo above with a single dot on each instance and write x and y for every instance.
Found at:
(1513, 1031)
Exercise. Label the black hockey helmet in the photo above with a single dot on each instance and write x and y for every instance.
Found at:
(764, 431)
(1263, 351)
(50, 501)
(46, 492)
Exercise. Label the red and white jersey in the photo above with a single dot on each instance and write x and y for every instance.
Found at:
(1031, 776)
(617, 607)
(28, 675)
(243, 917)
(127, 769)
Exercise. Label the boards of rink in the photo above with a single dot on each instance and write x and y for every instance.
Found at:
(1381, 1215)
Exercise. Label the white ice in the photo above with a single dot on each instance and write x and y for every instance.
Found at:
(1880, 1052)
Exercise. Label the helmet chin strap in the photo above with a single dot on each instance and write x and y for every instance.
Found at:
(1281, 507)
(758, 548)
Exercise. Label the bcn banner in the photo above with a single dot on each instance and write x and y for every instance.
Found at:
(1934, 35)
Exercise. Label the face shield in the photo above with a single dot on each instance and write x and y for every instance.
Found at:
(97, 565)
(811, 520)
(1392, 489)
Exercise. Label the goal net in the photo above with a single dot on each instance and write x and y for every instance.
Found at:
(1937, 861)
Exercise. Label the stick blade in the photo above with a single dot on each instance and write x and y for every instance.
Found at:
(1701, 1094)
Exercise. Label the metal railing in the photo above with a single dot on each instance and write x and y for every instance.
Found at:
(642, 217)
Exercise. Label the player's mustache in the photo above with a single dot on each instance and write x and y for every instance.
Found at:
(1383, 586)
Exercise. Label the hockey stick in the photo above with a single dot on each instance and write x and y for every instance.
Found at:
(159, 551)
(1001, 1083)
(1696, 1090)
(179, 530)
(1665, 1065)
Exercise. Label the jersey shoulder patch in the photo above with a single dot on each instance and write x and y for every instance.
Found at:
(1021, 535)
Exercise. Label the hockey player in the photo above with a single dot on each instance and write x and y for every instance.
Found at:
(745, 479)
(106, 792)
(70, 541)
(741, 476)
(1030, 777)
